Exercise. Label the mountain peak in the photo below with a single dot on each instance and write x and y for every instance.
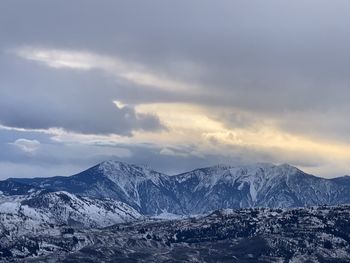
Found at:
(127, 175)
(286, 166)
(287, 169)
(112, 163)
(222, 166)
(119, 165)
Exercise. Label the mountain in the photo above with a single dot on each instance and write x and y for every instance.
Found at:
(260, 185)
(148, 191)
(248, 235)
(201, 190)
(42, 210)
(10, 187)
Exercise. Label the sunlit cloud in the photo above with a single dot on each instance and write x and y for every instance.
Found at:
(51, 131)
(193, 125)
(77, 60)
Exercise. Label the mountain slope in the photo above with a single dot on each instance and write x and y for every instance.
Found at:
(248, 235)
(36, 212)
(262, 185)
(11, 187)
(201, 190)
(147, 191)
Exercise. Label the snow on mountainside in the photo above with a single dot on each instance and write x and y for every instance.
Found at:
(39, 211)
(259, 185)
(201, 190)
(123, 174)
(129, 177)
(317, 234)
(143, 189)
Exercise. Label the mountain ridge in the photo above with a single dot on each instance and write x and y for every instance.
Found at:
(201, 190)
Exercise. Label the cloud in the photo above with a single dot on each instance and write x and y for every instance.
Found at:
(62, 59)
(78, 60)
(172, 152)
(233, 78)
(28, 146)
(29, 170)
(43, 98)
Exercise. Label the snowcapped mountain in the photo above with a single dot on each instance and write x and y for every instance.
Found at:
(41, 210)
(146, 190)
(201, 190)
(260, 185)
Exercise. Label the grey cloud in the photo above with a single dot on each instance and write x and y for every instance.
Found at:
(282, 60)
(174, 160)
(55, 158)
(15, 169)
(52, 158)
(271, 55)
(236, 119)
(36, 97)
(330, 125)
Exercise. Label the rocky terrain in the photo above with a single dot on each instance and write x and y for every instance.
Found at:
(248, 235)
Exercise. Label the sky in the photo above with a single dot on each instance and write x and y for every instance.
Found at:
(174, 85)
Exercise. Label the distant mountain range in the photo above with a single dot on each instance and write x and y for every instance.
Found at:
(196, 192)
